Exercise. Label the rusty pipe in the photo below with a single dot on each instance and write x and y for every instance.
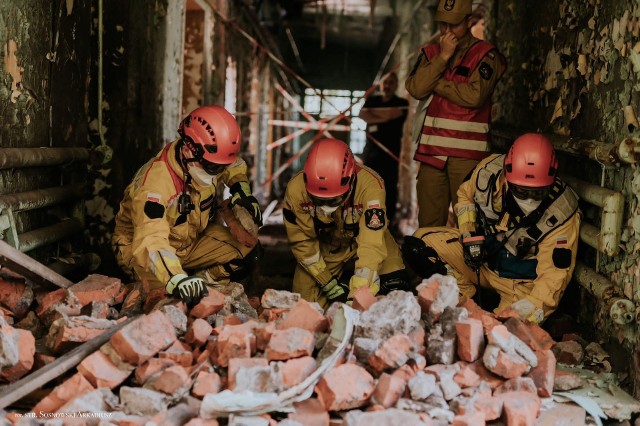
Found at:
(39, 198)
(612, 205)
(48, 234)
(36, 157)
(623, 152)
(621, 310)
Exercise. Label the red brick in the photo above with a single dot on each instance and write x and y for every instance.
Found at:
(290, 343)
(564, 381)
(171, 380)
(41, 359)
(99, 310)
(476, 312)
(428, 295)
(388, 390)
(490, 406)
(15, 297)
(363, 299)
(69, 389)
(344, 387)
(392, 353)
(486, 375)
(151, 367)
(96, 288)
(472, 419)
(178, 352)
(235, 346)
(198, 332)
(520, 408)
(470, 339)
(26, 350)
(303, 315)
(201, 422)
(208, 305)
(296, 370)
(466, 377)
(98, 369)
(143, 338)
(236, 364)
(310, 413)
(543, 374)
(519, 384)
(503, 364)
(50, 299)
(205, 383)
(231, 320)
(65, 333)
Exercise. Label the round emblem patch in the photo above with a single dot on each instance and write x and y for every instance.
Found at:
(448, 5)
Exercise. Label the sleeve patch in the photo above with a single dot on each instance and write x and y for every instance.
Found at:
(373, 204)
(374, 219)
(485, 71)
(561, 258)
(289, 216)
(153, 210)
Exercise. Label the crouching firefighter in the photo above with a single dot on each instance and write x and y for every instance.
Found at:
(334, 213)
(166, 234)
(518, 227)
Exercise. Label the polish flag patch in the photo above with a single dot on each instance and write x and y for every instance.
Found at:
(373, 204)
(562, 241)
(153, 197)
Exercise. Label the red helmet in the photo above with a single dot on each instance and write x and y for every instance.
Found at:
(531, 162)
(212, 135)
(329, 169)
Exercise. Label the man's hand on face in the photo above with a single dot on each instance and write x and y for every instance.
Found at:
(448, 45)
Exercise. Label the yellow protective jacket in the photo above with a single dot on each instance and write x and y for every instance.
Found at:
(358, 225)
(149, 221)
(548, 259)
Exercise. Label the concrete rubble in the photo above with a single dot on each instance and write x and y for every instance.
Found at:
(412, 360)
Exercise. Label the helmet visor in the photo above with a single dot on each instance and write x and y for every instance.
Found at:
(524, 192)
(212, 168)
(329, 202)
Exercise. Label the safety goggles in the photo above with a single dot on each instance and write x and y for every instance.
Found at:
(212, 169)
(524, 192)
(329, 202)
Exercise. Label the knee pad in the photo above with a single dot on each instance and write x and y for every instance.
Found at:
(396, 280)
(239, 269)
(424, 260)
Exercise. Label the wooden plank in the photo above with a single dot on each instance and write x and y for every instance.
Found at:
(13, 392)
(30, 268)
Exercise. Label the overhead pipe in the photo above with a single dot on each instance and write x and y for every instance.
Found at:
(11, 158)
(48, 234)
(621, 310)
(627, 151)
(39, 198)
(612, 205)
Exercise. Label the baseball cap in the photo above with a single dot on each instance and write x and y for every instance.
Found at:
(453, 11)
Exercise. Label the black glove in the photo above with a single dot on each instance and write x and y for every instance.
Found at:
(335, 291)
(241, 195)
(397, 280)
(188, 288)
(473, 250)
(424, 260)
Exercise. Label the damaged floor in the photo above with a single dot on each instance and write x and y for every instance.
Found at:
(103, 353)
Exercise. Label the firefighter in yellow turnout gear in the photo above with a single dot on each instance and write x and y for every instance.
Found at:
(522, 220)
(334, 212)
(165, 231)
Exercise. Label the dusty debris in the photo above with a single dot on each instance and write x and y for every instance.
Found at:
(426, 360)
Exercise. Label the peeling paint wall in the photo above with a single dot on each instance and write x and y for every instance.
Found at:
(574, 66)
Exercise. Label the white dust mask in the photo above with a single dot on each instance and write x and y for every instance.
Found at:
(528, 205)
(201, 177)
(328, 210)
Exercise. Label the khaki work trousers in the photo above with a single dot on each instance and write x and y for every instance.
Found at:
(446, 242)
(436, 189)
(309, 289)
(208, 257)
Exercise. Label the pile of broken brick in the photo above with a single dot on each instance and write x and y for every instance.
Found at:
(425, 360)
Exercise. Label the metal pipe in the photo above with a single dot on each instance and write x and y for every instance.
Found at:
(623, 152)
(612, 204)
(589, 234)
(30, 268)
(48, 234)
(35, 157)
(39, 198)
(621, 310)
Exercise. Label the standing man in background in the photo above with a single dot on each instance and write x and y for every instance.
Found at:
(385, 115)
(454, 78)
